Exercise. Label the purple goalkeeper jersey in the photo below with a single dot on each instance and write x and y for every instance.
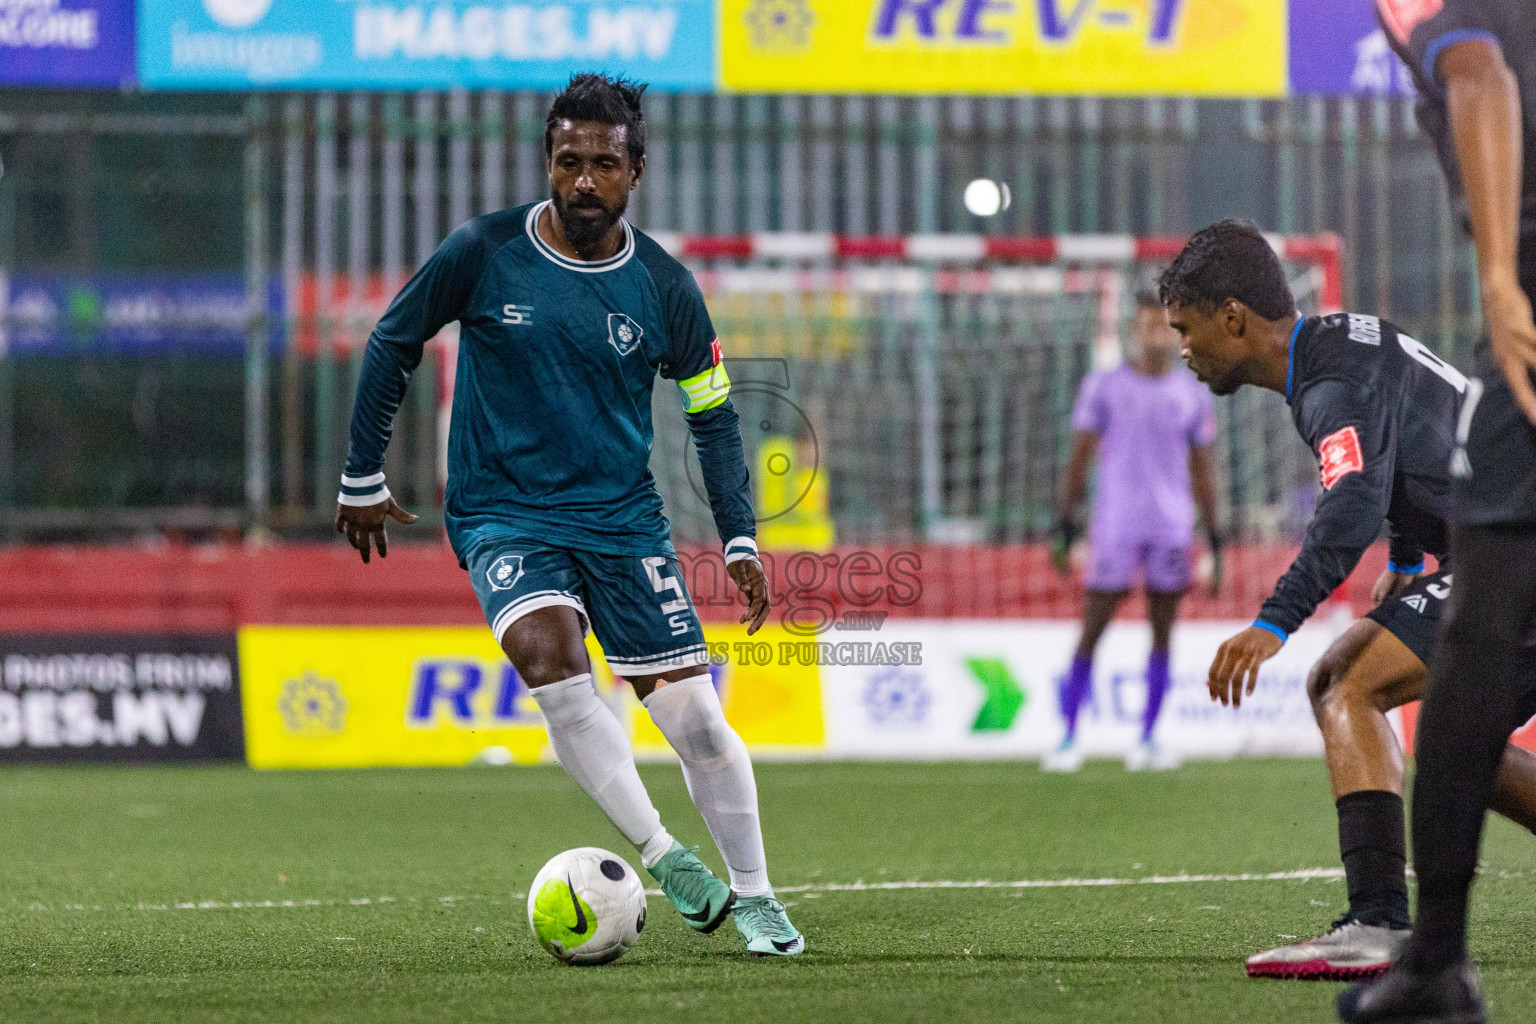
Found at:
(1146, 427)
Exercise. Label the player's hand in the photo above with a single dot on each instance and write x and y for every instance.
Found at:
(1235, 672)
(363, 525)
(1390, 583)
(748, 574)
(1513, 336)
(1062, 536)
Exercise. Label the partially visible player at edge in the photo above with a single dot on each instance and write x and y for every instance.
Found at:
(567, 314)
(1474, 63)
(1151, 425)
(1380, 411)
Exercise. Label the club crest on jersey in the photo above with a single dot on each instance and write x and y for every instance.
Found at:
(1339, 455)
(623, 333)
(505, 572)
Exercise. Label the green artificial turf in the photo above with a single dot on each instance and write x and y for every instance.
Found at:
(96, 865)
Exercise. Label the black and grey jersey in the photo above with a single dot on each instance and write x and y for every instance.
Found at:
(1420, 31)
(1379, 410)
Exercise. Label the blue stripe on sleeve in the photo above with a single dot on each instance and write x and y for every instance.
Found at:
(1440, 43)
(1271, 627)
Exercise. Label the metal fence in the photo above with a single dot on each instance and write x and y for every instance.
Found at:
(314, 206)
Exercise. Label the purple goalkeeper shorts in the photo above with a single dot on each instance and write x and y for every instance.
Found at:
(1112, 566)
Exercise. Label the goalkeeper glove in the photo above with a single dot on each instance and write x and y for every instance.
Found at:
(1062, 536)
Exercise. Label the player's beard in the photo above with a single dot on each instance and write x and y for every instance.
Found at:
(585, 233)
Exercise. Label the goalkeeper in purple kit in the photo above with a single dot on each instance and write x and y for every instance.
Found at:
(1151, 426)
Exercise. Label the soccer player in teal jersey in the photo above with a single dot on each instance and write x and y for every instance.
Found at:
(567, 314)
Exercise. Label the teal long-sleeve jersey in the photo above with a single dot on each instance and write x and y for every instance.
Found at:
(550, 436)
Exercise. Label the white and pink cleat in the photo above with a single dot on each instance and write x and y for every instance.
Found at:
(1349, 951)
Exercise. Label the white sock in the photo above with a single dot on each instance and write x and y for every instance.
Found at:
(719, 776)
(592, 748)
(652, 852)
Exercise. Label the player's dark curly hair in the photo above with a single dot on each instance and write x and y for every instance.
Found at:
(1228, 260)
(606, 100)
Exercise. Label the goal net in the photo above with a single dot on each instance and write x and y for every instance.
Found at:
(919, 390)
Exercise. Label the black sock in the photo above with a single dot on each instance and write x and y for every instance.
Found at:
(1375, 853)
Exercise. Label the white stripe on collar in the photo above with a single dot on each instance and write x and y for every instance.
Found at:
(581, 266)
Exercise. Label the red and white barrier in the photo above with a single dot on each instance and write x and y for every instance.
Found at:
(1324, 251)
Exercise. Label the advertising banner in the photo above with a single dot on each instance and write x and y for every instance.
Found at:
(346, 697)
(397, 44)
(79, 43)
(60, 315)
(119, 698)
(360, 697)
(1093, 47)
(989, 690)
(1337, 48)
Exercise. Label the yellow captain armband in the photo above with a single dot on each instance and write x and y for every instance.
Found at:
(705, 390)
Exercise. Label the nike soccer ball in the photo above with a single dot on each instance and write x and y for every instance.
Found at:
(586, 906)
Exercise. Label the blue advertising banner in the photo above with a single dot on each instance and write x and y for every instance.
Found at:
(45, 314)
(1338, 49)
(366, 44)
(66, 42)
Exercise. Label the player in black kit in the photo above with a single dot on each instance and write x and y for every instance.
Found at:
(1380, 411)
(1474, 62)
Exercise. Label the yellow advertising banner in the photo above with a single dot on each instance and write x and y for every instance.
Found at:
(363, 697)
(1089, 47)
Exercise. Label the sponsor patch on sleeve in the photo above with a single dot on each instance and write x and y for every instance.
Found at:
(1403, 16)
(1339, 455)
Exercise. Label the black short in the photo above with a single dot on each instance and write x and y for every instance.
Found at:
(1500, 450)
(1413, 615)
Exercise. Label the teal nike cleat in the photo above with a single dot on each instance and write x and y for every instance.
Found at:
(699, 896)
(764, 924)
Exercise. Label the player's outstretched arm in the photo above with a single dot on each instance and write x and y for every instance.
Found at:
(1202, 484)
(1348, 426)
(696, 363)
(1340, 532)
(434, 297)
(1483, 102)
(723, 463)
(364, 502)
(363, 525)
(1085, 445)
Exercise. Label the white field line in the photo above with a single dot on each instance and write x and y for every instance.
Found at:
(1304, 874)
(1065, 883)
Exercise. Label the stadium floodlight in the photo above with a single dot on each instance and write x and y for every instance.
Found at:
(986, 198)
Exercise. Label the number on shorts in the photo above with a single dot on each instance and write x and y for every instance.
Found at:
(1441, 590)
(664, 584)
